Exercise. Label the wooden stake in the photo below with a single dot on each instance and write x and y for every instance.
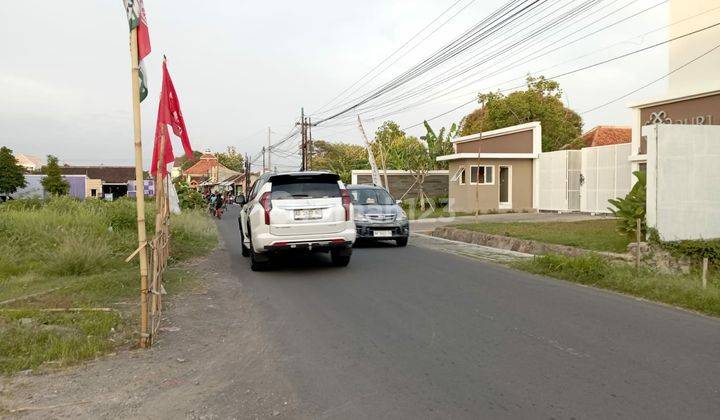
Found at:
(477, 180)
(469, 175)
(139, 198)
(705, 272)
(638, 237)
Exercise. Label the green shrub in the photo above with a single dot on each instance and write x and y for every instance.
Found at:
(586, 269)
(188, 197)
(25, 204)
(631, 208)
(122, 215)
(63, 204)
(695, 250)
(683, 290)
(78, 255)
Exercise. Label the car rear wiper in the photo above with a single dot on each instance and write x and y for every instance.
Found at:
(300, 195)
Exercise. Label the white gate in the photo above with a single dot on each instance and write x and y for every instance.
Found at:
(606, 174)
(559, 180)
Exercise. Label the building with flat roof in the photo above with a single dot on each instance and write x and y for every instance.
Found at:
(495, 170)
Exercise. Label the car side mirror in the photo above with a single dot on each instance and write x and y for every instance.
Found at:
(398, 202)
(240, 199)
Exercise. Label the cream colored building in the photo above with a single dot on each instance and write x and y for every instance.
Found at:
(495, 170)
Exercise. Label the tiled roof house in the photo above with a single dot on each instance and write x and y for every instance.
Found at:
(206, 168)
(604, 135)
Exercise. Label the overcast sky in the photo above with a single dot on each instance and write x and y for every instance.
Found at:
(241, 66)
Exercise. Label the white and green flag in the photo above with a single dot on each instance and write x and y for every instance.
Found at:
(136, 19)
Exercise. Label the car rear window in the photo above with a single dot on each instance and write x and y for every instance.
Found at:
(368, 196)
(304, 187)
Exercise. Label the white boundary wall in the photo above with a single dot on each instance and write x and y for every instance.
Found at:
(559, 180)
(607, 175)
(683, 190)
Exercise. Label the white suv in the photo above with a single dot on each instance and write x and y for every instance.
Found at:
(296, 211)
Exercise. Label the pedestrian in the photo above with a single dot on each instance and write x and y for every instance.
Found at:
(219, 202)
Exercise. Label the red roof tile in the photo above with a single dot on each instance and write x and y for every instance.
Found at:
(203, 165)
(604, 135)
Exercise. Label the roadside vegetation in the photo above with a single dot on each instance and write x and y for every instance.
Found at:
(595, 235)
(65, 253)
(682, 290)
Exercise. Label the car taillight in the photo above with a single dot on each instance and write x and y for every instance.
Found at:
(266, 205)
(345, 194)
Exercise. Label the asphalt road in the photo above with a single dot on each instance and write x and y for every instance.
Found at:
(415, 333)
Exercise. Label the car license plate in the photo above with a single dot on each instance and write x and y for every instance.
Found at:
(308, 214)
(382, 233)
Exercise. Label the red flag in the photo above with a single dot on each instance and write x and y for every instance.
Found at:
(169, 113)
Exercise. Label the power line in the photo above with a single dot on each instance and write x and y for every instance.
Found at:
(322, 108)
(586, 67)
(426, 87)
(492, 23)
(652, 82)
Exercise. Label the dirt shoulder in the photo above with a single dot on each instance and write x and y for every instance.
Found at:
(213, 361)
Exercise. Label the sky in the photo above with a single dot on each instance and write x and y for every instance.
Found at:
(242, 66)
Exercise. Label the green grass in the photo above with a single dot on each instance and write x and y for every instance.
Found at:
(596, 235)
(76, 250)
(679, 290)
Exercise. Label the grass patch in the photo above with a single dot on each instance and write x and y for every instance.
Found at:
(679, 290)
(76, 250)
(596, 235)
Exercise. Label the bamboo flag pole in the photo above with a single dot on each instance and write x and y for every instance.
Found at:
(159, 219)
(139, 198)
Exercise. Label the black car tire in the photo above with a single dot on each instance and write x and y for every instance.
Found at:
(339, 259)
(401, 242)
(244, 251)
(258, 262)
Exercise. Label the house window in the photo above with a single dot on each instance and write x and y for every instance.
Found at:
(482, 175)
(93, 192)
(459, 176)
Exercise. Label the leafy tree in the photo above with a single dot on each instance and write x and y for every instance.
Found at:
(53, 182)
(231, 159)
(541, 101)
(439, 144)
(394, 147)
(11, 174)
(632, 207)
(401, 151)
(340, 158)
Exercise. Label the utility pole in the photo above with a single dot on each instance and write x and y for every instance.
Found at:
(309, 145)
(269, 151)
(247, 175)
(263, 154)
(371, 157)
(303, 143)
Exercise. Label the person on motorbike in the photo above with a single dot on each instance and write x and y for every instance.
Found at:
(219, 205)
